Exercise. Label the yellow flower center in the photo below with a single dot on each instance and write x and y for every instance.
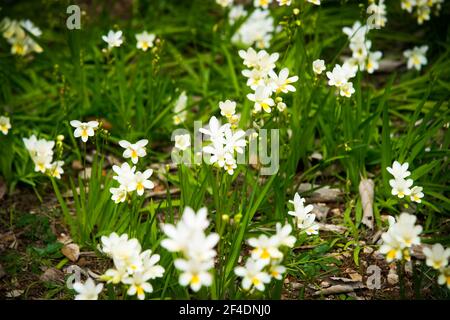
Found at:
(139, 290)
(391, 254)
(84, 133)
(256, 281)
(195, 279)
(265, 254)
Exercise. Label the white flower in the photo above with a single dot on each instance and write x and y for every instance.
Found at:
(281, 106)
(318, 66)
(341, 74)
(230, 165)
(423, 14)
(398, 170)
(88, 290)
(346, 90)
(262, 3)
(401, 187)
(179, 109)
(373, 61)
(262, 99)
(125, 176)
(194, 273)
(5, 125)
(304, 219)
(84, 129)
(224, 3)
(144, 40)
(405, 231)
(357, 33)
(416, 57)
(444, 277)
(360, 50)
(277, 271)
(236, 12)
(138, 284)
(119, 194)
(215, 130)
(256, 30)
(234, 140)
(126, 255)
(109, 242)
(416, 194)
(283, 235)
(219, 154)
(113, 39)
(408, 5)
(227, 108)
(265, 248)
(134, 150)
(56, 169)
(437, 256)
(378, 15)
(282, 82)
(391, 247)
(285, 2)
(31, 28)
(182, 141)
(316, 2)
(142, 181)
(253, 274)
(150, 266)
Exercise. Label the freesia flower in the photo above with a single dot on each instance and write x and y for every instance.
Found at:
(84, 129)
(316, 2)
(437, 257)
(138, 284)
(56, 169)
(236, 12)
(444, 277)
(142, 181)
(401, 187)
(265, 248)
(253, 274)
(398, 170)
(87, 290)
(119, 194)
(408, 5)
(144, 40)
(134, 150)
(283, 235)
(282, 82)
(227, 108)
(5, 125)
(194, 273)
(182, 141)
(262, 3)
(125, 176)
(346, 90)
(304, 219)
(416, 194)
(224, 3)
(416, 57)
(113, 39)
(318, 66)
(277, 271)
(256, 30)
(262, 99)
(373, 61)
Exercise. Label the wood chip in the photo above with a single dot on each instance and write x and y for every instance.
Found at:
(340, 288)
(52, 275)
(366, 192)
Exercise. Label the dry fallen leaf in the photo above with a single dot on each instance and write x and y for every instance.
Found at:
(366, 191)
(14, 293)
(71, 251)
(52, 275)
(340, 288)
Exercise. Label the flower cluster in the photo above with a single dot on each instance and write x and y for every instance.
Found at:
(17, 33)
(264, 80)
(360, 47)
(226, 140)
(130, 180)
(416, 57)
(400, 237)
(422, 8)
(5, 124)
(188, 238)
(144, 40)
(401, 186)
(236, 12)
(340, 76)
(41, 152)
(265, 260)
(304, 219)
(256, 30)
(377, 18)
